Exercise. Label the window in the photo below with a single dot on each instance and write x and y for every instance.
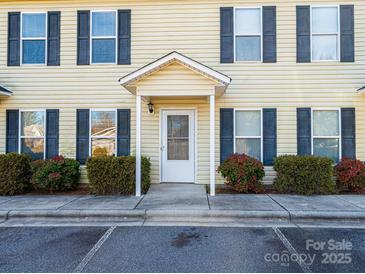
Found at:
(248, 132)
(325, 33)
(103, 132)
(32, 133)
(248, 34)
(178, 137)
(103, 37)
(34, 38)
(326, 134)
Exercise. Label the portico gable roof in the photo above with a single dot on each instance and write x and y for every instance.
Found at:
(5, 92)
(361, 90)
(221, 81)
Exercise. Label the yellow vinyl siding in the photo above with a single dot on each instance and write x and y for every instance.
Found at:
(177, 80)
(190, 27)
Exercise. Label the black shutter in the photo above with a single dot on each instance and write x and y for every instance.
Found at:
(53, 43)
(347, 33)
(52, 133)
(83, 37)
(226, 133)
(304, 136)
(348, 132)
(303, 34)
(124, 37)
(269, 136)
(82, 133)
(227, 35)
(12, 130)
(123, 132)
(14, 39)
(269, 34)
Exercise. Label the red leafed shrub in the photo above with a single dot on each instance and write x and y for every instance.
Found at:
(351, 173)
(56, 174)
(243, 173)
(58, 159)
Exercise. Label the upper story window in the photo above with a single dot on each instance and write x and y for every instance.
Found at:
(103, 132)
(326, 134)
(103, 37)
(248, 132)
(325, 33)
(32, 133)
(248, 34)
(34, 38)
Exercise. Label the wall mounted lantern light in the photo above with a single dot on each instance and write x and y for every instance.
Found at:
(150, 107)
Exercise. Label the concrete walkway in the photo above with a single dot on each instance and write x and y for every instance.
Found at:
(175, 197)
(184, 204)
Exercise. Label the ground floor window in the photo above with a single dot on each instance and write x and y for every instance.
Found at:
(32, 133)
(103, 132)
(248, 132)
(326, 134)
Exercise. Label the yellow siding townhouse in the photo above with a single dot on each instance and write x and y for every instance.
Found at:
(183, 82)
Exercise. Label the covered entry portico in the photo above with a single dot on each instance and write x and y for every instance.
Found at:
(176, 77)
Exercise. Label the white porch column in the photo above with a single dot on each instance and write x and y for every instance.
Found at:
(212, 144)
(138, 145)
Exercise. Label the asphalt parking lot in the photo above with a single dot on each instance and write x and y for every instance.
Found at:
(181, 249)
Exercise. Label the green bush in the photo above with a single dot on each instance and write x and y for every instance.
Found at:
(15, 174)
(305, 175)
(35, 166)
(56, 174)
(243, 173)
(116, 175)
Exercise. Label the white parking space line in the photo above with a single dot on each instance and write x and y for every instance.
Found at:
(291, 249)
(93, 251)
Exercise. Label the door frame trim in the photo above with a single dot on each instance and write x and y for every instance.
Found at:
(195, 110)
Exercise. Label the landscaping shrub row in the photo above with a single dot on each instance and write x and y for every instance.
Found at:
(304, 175)
(295, 174)
(107, 175)
(56, 174)
(15, 174)
(19, 174)
(243, 173)
(116, 175)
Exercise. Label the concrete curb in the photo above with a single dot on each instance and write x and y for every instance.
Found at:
(170, 216)
(236, 214)
(3, 215)
(215, 217)
(116, 215)
(326, 215)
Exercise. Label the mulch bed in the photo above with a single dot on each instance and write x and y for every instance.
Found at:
(226, 189)
(84, 189)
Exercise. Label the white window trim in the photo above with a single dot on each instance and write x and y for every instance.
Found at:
(249, 137)
(45, 38)
(338, 33)
(20, 136)
(115, 37)
(241, 34)
(339, 137)
(100, 136)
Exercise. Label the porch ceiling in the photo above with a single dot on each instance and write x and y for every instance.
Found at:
(219, 81)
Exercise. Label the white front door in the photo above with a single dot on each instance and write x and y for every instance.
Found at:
(178, 146)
